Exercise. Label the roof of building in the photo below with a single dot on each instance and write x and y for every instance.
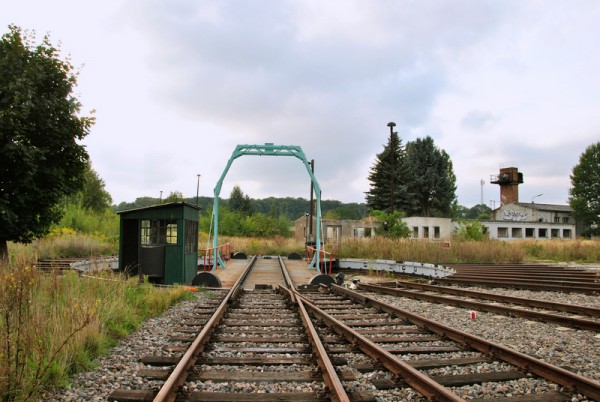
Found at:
(546, 207)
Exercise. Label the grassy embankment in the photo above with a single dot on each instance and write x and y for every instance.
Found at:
(54, 324)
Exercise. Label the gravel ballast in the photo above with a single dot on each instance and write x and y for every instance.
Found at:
(575, 350)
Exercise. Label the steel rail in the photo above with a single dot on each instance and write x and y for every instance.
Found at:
(524, 277)
(580, 384)
(538, 315)
(330, 377)
(564, 307)
(288, 279)
(168, 391)
(413, 377)
(521, 285)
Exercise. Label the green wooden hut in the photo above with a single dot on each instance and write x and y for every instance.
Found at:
(160, 242)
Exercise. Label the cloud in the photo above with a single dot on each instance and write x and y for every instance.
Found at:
(177, 85)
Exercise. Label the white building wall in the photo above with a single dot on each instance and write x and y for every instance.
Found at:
(436, 229)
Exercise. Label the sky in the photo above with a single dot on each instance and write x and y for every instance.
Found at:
(176, 85)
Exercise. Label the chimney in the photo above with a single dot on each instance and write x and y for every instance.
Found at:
(509, 179)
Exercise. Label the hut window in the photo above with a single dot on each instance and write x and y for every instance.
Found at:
(157, 232)
(191, 237)
(171, 233)
(145, 234)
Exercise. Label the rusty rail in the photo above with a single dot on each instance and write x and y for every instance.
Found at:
(536, 315)
(168, 391)
(521, 301)
(582, 385)
(413, 377)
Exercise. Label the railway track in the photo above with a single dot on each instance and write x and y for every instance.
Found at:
(319, 343)
(544, 311)
(523, 276)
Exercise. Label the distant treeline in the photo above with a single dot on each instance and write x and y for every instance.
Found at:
(290, 208)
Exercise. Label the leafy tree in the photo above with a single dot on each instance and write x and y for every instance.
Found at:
(479, 211)
(432, 181)
(393, 225)
(388, 178)
(93, 196)
(460, 211)
(39, 128)
(471, 230)
(585, 191)
(174, 196)
(239, 202)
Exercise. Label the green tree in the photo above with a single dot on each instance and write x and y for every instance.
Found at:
(40, 125)
(393, 225)
(388, 178)
(432, 183)
(479, 211)
(584, 195)
(174, 196)
(238, 202)
(93, 196)
(471, 230)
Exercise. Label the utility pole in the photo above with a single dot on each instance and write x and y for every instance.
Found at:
(391, 125)
(312, 190)
(198, 189)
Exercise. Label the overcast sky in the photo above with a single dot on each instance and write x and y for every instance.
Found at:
(177, 84)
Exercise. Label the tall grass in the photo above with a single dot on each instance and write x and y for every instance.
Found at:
(460, 250)
(53, 325)
(66, 243)
(464, 251)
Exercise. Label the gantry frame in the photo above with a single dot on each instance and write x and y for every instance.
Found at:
(268, 149)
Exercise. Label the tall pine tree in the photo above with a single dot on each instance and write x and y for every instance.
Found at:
(432, 181)
(388, 178)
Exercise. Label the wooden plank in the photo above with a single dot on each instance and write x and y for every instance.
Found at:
(263, 360)
(202, 396)
(434, 363)
(412, 330)
(255, 376)
(422, 349)
(154, 374)
(551, 396)
(259, 339)
(264, 350)
(160, 360)
(258, 323)
(129, 395)
(395, 339)
(477, 378)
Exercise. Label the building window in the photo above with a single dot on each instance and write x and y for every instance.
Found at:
(436, 232)
(529, 232)
(555, 233)
(567, 234)
(416, 232)
(517, 233)
(502, 232)
(565, 219)
(542, 232)
(557, 219)
(426, 232)
(171, 233)
(191, 237)
(156, 232)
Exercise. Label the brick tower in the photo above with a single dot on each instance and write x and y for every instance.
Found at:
(509, 180)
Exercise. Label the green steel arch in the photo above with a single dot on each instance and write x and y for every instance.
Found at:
(267, 149)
